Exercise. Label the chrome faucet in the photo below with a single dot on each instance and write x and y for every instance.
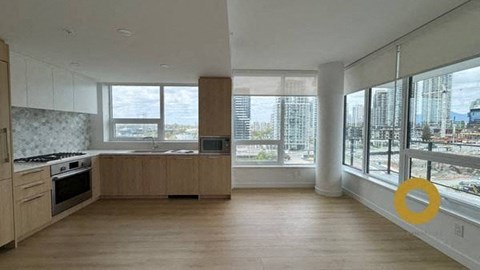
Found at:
(154, 144)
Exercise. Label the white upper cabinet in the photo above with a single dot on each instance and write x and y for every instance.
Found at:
(18, 79)
(39, 85)
(85, 95)
(62, 90)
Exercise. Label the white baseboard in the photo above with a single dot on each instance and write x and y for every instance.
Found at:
(274, 185)
(328, 193)
(429, 239)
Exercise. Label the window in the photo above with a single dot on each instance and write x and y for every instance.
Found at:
(458, 178)
(274, 119)
(353, 129)
(444, 127)
(181, 113)
(163, 112)
(445, 111)
(384, 130)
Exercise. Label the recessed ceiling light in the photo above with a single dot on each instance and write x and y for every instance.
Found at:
(67, 31)
(74, 64)
(164, 66)
(124, 32)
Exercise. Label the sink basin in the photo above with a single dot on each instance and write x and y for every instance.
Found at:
(150, 151)
(182, 151)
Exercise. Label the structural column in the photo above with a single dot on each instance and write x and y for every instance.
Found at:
(329, 134)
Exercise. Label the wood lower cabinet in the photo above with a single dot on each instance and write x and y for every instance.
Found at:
(121, 176)
(96, 177)
(33, 212)
(182, 175)
(7, 233)
(154, 172)
(153, 176)
(215, 175)
(133, 176)
(33, 200)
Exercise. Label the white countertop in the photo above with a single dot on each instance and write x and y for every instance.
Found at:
(20, 166)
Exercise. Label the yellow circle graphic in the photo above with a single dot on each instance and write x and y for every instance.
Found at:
(400, 202)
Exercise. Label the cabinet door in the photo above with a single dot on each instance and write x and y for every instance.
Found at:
(39, 85)
(95, 177)
(33, 212)
(109, 174)
(6, 212)
(62, 90)
(215, 175)
(85, 95)
(215, 106)
(154, 180)
(121, 176)
(182, 175)
(5, 151)
(18, 80)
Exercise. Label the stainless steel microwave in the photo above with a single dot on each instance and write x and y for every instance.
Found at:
(218, 145)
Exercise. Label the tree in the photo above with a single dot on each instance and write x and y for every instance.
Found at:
(426, 133)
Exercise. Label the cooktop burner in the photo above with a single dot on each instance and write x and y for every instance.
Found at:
(49, 157)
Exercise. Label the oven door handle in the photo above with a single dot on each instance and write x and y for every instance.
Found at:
(65, 175)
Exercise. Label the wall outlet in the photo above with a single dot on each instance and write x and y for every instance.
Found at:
(459, 230)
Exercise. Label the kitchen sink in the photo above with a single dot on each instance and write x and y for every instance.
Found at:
(150, 151)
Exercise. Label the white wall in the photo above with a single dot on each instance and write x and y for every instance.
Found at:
(440, 232)
(273, 177)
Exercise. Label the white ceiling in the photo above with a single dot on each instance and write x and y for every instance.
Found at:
(190, 36)
(302, 34)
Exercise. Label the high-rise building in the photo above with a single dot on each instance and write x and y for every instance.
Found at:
(436, 101)
(380, 109)
(241, 126)
(299, 122)
(355, 115)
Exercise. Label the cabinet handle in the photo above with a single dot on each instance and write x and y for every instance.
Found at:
(213, 157)
(33, 198)
(7, 152)
(185, 158)
(32, 172)
(39, 183)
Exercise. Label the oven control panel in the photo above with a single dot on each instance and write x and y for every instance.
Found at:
(70, 166)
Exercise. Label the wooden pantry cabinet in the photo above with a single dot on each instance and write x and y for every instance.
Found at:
(215, 106)
(7, 233)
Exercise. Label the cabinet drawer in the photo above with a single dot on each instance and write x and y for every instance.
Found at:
(27, 177)
(33, 188)
(33, 212)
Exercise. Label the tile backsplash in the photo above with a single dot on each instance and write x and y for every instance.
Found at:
(37, 132)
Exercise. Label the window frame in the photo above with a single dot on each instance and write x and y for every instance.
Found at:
(364, 133)
(160, 122)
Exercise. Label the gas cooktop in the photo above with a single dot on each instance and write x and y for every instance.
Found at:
(49, 157)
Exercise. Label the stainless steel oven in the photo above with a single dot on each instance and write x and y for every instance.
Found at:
(212, 144)
(71, 184)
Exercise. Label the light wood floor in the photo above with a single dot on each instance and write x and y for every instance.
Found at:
(257, 229)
